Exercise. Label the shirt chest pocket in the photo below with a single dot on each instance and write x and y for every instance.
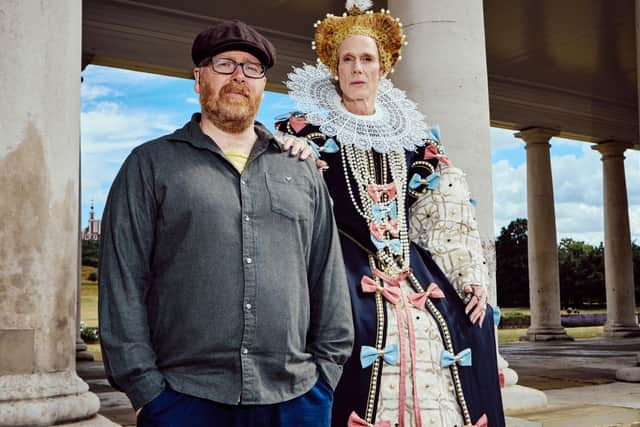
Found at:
(290, 195)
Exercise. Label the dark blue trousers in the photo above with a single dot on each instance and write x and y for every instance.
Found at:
(174, 409)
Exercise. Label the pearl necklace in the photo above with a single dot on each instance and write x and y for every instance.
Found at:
(360, 164)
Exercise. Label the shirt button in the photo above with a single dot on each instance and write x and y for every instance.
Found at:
(246, 218)
(249, 260)
(243, 182)
(245, 350)
(248, 306)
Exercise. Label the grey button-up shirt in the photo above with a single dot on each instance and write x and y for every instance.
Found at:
(221, 285)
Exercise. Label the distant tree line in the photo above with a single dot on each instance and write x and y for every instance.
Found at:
(581, 268)
(90, 251)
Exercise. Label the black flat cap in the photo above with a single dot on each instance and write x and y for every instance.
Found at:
(232, 35)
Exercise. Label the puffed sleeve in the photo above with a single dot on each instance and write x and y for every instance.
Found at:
(442, 218)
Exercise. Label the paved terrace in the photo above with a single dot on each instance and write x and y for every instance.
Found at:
(578, 378)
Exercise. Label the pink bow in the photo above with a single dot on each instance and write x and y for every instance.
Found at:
(431, 152)
(390, 280)
(376, 191)
(378, 229)
(501, 378)
(356, 421)
(298, 123)
(369, 285)
(482, 422)
(419, 300)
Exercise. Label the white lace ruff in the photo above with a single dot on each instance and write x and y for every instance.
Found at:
(397, 125)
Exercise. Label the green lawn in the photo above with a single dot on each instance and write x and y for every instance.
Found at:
(513, 335)
(89, 306)
(95, 350)
(518, 311)
(89, 298)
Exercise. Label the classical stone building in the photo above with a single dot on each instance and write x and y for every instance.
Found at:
(542, 68)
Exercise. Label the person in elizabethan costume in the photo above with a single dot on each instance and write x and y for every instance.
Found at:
(425, 352)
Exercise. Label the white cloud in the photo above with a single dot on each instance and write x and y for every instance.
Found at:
(109, 132)
(91, 92)
(503, 139)
(632, 172)
(577, 182)
(509, 193)
(192, 100)
(109, 127)
(634, 220)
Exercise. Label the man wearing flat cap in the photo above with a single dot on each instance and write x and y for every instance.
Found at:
(223, 296)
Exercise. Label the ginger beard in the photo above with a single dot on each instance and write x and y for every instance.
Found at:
(227, 111)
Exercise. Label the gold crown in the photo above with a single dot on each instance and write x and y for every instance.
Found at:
(357, 20)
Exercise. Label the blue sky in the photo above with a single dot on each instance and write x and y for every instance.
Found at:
(121, 109)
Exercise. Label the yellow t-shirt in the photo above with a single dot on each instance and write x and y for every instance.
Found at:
(238, 160)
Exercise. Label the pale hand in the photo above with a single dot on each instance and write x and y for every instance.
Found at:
(297, 147)
(477, 306)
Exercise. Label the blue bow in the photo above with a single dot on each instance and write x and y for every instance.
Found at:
(432, 181)
(379, 244)
(394, 245)
(434, 133)
(496, 316)
(415, 182)
(473, 201)
(463, 358)
(379, 211)
(368, 355)
(329, 146)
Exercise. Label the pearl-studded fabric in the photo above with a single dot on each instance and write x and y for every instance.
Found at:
(443, 221)
(437, 402)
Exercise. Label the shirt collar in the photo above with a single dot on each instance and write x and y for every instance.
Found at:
(192, 134)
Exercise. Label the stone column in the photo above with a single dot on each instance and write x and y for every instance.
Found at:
(40, 87)
(444, 70)
(618, 258)
(452, 89)
(633, 373)
(544, 278)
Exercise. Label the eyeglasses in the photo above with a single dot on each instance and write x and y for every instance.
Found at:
(253, 70)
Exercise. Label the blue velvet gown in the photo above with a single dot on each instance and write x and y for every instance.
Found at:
(477, 386)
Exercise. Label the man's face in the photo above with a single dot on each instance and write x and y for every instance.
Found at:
(230, 101)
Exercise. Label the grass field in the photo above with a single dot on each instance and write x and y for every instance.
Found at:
(89, 298)
(518, 311)
(513, 335)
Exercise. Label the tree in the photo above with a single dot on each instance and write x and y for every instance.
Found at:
(512, 269)
(90, 251)
(581, 269)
